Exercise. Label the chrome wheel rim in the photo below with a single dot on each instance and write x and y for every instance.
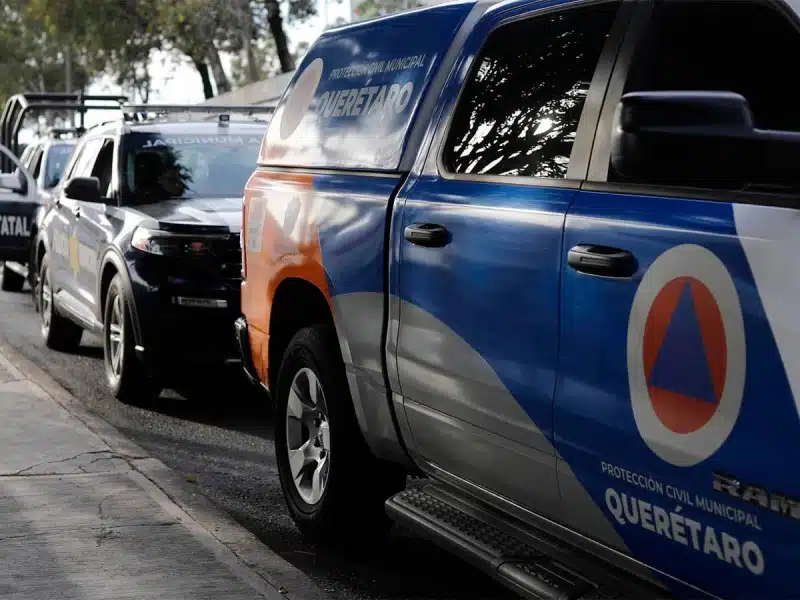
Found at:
(46, 301)
(116, 336)
(308, 438)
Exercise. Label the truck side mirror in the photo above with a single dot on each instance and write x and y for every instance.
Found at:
(691, 138)
(85, 189)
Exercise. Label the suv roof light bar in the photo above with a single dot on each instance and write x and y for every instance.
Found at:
(18, 106)
(61, 132)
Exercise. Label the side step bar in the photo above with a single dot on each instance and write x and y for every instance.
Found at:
(532, 564)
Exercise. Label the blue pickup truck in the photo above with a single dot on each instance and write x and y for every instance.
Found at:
(528, 250)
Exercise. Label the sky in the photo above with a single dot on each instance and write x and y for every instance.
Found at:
(175, 81)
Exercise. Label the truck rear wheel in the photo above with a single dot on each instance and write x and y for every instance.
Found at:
(330, 479)
(12, 281)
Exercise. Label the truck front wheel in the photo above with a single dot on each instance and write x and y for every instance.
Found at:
(331, 481)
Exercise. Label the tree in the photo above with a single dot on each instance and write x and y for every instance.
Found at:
(31, 60)
(298, 10)
(112, 37)
(194, 28)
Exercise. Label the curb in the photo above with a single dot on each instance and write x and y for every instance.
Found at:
(289, 581)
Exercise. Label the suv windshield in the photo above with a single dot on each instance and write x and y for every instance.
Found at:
(57, 159)
(156, 167)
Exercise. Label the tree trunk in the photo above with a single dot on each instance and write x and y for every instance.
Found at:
(220, 77)
(279, 35)
(205, 75)
(68, 68)
(248, 29)
(253, 74)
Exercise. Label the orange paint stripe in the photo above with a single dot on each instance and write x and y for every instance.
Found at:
(679, 413)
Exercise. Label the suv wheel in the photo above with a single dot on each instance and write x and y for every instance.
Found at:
(12, 281)
(59, 333)
(330, 479)
(126, 376)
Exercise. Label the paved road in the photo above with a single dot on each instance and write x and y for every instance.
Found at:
(226, 443)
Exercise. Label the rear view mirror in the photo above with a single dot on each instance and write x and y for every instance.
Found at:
(85, 189)
(693, 138)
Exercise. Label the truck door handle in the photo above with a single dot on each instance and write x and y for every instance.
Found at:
(602, 260)
(428, 235)
(77, 212)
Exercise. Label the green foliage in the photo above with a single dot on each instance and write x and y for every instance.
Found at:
(30, 59)
(118, 37)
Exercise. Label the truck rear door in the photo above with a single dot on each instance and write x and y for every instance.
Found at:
(677, 403)
(479, 241)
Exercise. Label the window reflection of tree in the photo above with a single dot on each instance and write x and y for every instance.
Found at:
(160, 175)
(520, 112)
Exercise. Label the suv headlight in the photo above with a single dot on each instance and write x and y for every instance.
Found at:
(152, 241)
(156, 241)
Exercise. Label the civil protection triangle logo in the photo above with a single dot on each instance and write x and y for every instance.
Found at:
(686, 355)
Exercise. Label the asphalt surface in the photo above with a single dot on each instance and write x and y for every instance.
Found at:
(220, 436)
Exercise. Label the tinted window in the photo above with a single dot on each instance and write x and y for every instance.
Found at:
(157, 167)
(57, 159)
(519, 112)
(85, 162)
(36, 164)
(720, 46)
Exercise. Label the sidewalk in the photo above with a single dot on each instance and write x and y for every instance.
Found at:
(85, 514)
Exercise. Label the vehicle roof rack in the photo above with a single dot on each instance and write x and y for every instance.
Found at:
(20, 105)
(138, 113)
(61, 133)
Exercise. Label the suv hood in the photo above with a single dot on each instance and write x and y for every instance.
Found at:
(214, 212)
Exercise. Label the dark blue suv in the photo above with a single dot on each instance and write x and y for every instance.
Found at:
(141, 245)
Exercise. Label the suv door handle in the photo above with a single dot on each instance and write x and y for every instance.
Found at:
(428, 235)
(77, 212)
(602, 260)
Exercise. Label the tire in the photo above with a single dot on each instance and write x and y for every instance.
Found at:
(126, 375)
(58, 333)
(35, 292)
(356, 484)
(12, 281)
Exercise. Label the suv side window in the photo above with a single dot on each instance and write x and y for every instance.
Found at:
(719, 46)
(36, 164)
(85, 162)
(103, 166)
(69, 171)
(520, 108)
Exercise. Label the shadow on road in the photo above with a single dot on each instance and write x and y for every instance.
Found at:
(89, 351)
(220, 399)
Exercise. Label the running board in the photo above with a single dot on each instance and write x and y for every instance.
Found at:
(531, 563)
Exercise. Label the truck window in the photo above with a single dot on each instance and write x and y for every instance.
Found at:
(519, 111)
(686, 48)
(57, 160)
